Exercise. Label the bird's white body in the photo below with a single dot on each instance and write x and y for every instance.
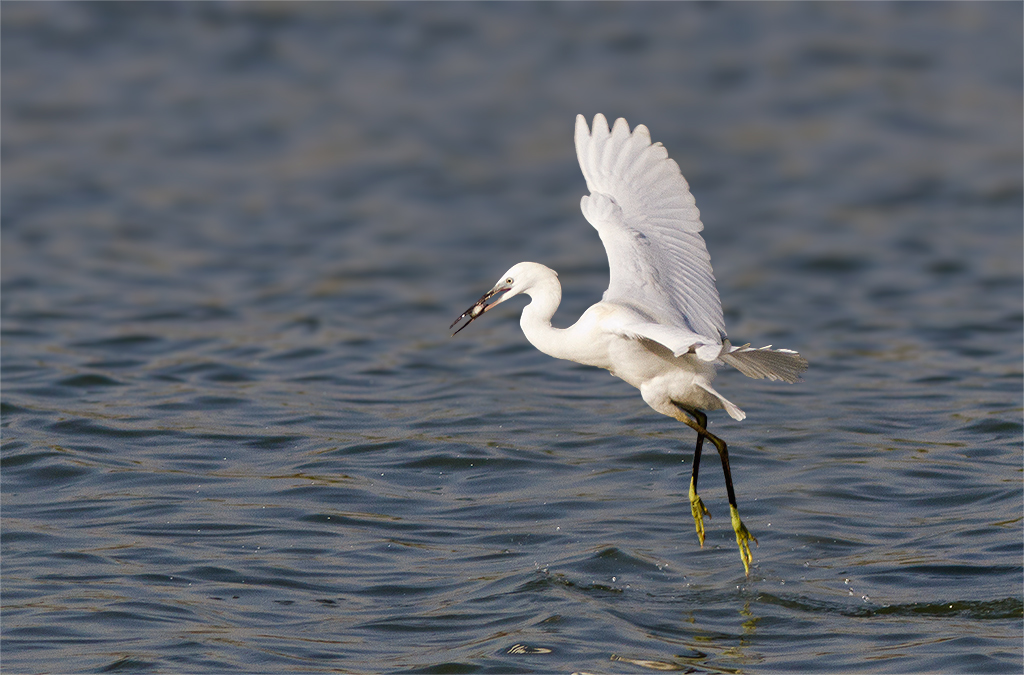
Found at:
(597, 339)
(659, 325)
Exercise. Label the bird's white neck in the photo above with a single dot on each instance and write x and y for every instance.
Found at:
(535, 321)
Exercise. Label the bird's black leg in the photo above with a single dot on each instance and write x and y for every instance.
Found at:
(743, 536)
(696, 504)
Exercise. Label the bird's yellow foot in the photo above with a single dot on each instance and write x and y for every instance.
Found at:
(743, 538)
(699, 511)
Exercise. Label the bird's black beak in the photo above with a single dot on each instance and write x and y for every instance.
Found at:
(478, 308)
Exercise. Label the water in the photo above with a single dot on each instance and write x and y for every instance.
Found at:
(237, 437)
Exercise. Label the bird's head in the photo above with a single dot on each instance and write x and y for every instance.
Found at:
(520, 278)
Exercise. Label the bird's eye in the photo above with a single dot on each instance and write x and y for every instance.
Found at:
(509, 280)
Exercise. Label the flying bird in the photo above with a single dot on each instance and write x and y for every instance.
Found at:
(659, 326)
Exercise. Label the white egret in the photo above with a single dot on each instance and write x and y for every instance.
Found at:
(659, 325)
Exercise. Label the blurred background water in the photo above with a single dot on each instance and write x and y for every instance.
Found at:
(238, 438)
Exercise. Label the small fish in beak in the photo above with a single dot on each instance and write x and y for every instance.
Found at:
(478, 308)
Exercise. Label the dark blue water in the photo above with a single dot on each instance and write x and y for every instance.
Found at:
(237, 437)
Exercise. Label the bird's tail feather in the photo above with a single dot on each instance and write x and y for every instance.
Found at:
(759, 363)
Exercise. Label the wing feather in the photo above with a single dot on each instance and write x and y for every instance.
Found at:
(642, 208)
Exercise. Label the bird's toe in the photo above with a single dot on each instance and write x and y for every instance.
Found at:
(743, 539)
(699, 511)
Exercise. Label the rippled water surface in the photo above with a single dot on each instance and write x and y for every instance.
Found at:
(238, 438)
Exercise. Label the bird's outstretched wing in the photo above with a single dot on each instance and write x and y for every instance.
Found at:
(642, 208)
